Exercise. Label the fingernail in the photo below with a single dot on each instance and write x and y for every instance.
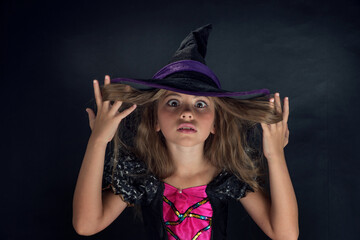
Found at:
(94, 81)
(277, 94)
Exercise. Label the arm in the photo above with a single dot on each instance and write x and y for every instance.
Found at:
(278, 217)
(94, 210)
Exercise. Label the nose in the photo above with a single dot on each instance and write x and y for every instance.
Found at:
(187, 114)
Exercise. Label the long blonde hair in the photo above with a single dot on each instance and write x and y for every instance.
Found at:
(233, 147)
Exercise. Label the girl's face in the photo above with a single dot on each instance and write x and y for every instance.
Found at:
(185, 120)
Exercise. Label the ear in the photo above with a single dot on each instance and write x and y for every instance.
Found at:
(157, 127)
(213, 129)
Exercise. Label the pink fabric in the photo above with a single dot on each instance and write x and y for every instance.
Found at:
(188, 228)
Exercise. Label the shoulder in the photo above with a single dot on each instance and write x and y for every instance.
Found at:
(129, 177)
(227, 186)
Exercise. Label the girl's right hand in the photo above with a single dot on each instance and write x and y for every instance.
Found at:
(108, 118)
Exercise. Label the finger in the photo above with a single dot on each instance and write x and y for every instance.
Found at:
(126, 112)
(287, 134)
(268, 127)
(287, 137)
(265, 127)
(107, 80)
(278, 102)
(115, 107)
(97, 93)
(272, 104)
(286, 110)
(91, 116)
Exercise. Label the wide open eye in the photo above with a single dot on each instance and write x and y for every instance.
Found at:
(173, 103)
(201, 104)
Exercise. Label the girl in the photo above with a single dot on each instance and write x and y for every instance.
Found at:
(182, 150)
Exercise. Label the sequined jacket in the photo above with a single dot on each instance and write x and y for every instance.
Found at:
(130, 180)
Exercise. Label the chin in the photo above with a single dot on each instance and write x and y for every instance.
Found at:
(187, 143)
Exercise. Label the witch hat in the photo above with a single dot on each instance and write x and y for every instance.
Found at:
(188, 73)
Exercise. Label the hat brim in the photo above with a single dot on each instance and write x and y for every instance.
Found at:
(189, 86)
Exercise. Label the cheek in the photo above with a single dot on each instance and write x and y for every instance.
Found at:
(208, 120)
(163, 118)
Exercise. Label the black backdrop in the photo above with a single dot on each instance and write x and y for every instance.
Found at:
(52, 50)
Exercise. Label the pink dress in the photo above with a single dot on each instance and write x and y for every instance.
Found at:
(187, 213)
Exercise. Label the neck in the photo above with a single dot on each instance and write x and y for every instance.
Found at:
(188, 161)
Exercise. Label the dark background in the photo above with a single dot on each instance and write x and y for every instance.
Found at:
(52, 50)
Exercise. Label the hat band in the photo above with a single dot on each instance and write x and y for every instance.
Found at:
(186, 65)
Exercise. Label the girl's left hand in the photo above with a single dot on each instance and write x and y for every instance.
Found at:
(276, 135)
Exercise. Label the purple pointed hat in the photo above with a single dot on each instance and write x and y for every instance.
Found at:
(188, 73)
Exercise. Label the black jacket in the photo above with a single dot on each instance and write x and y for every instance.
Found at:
(131, 181)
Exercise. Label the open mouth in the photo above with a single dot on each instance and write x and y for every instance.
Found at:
(184, 130)
(186, 127)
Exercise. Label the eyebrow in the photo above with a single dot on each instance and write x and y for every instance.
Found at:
(174, 94)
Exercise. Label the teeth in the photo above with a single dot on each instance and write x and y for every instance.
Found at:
(186, 128)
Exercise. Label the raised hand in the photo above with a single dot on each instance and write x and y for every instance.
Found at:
(108, 118)
(276, 135)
